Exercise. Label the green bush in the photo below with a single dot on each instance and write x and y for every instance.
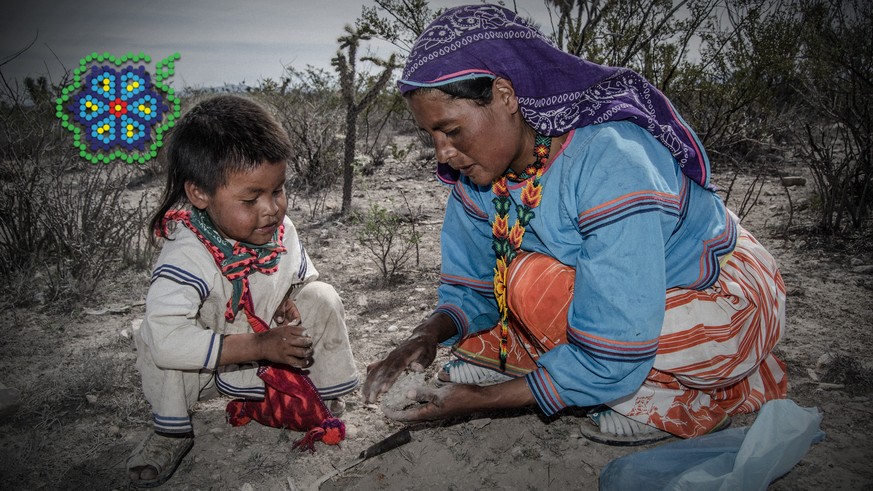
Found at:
(390, 239)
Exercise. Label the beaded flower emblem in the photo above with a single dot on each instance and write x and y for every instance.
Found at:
(116, 109)
(507, 241)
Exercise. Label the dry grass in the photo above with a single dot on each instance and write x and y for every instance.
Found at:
(80, 398)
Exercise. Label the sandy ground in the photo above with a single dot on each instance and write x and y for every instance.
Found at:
(83, 411)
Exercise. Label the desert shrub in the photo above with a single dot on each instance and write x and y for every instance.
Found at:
(82, 226)
(398, 152)
(391, 239)
(378, 127)
(65, 225)
(91, 225)
(308, 107)
(836, 84)
(738, 96)
(841, 177)
(746, 197)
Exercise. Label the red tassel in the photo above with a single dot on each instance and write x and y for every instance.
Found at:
(236, 413)
(332, 431)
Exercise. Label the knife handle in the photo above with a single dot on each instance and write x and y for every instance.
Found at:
(399, 438)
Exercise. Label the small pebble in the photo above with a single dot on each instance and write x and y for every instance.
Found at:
(351, 432)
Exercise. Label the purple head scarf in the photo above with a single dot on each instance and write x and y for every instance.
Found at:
(556, 91)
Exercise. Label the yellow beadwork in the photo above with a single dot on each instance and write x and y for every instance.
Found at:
(507, 241)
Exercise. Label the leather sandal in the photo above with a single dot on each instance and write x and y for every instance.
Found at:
(161, 453)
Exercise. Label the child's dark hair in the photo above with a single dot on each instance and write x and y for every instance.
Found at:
(218, 136)
(476, 89)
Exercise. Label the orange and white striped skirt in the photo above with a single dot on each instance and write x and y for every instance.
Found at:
(714, 357)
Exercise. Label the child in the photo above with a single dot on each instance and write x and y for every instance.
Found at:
(231, 260)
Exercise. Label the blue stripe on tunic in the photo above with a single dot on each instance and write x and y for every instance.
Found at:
(182, 277)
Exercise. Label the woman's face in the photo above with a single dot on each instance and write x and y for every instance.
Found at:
(481, 142)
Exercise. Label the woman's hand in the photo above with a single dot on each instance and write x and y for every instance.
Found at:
(463, 399)
(416, 353)
(437, 403)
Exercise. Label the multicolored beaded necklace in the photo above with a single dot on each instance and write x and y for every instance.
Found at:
(507, 241)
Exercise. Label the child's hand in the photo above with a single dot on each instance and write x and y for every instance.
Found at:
(288, 344)
(287, 313)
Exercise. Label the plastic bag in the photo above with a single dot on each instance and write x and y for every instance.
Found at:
(737, 458)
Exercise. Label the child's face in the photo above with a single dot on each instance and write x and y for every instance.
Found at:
(249, 207)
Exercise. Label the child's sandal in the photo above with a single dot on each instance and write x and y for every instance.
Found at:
(161, 453)
(336, 406)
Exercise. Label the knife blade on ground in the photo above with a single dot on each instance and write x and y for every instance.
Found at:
(391, 442)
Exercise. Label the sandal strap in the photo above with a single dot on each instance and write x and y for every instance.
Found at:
(610, 421)
(463, 372)
(600, 426)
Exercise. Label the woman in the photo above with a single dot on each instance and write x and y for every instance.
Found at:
(587, 260)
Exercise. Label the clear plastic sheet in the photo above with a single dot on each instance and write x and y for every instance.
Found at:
(745, 458)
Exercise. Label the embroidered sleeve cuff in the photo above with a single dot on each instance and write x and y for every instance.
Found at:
(545, 392)
(213, 354)
(462, 324)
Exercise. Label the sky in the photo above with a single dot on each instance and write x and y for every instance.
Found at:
(220, 41)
